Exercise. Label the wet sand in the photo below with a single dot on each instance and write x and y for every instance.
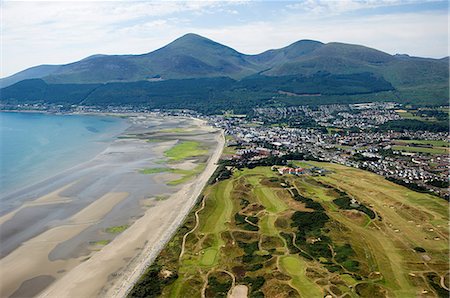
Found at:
(53, 245)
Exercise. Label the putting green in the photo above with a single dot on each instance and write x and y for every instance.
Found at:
(209, 256)
(296, 269)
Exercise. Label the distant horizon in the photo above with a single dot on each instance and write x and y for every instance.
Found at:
(60, 32)
(193, 33)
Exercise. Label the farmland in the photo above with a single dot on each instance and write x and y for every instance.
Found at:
(348, 233)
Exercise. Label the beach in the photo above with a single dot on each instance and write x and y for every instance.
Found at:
(92, 230)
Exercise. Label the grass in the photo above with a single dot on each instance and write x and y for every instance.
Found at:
(408, 115)
(116, 229)
(434, 143)
(155, 140)
(333, 130)
(186, 174)
(295, 268)
(270, 200)
(101, 242)
(150, 171)
(382, 245)
(174, 130)
(229, 150)
(219, 208)
(345, 147)
(267, 225)
(433, 150)
(185, 149)
(161, 197)
(209, 256)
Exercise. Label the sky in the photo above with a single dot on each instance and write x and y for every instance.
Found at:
(59, 32)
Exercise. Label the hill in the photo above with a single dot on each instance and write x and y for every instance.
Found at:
(295, 74)
(206, 95)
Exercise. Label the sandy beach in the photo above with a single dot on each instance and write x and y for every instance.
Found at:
(92, 230)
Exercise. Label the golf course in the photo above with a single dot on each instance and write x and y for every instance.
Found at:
(344, 233)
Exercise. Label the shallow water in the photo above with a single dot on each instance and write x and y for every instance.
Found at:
(36, 146)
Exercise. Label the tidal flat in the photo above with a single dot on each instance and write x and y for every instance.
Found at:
(97, 223)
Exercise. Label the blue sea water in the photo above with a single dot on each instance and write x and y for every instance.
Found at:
(36, 146)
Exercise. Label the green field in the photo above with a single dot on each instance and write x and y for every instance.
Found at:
(434, 143)
(408, 115)
(434, 150)
(185, 149)
(288, 236)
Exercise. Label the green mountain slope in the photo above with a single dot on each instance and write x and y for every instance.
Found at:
(207, 95)
(295, 74)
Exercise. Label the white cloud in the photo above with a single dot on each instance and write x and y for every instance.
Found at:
(337, 7)
(61, 32)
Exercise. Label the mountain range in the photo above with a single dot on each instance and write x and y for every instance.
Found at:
(196, 68)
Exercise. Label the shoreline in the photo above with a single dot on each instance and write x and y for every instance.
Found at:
(11, 191)
(129, 253)
(81, 278)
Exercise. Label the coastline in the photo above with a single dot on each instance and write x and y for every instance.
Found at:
(83, 280)
(56, 243)
(34, 165)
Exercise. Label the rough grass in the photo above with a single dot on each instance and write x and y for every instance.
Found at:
(149, 171)
(101, 242)
(116, 229)
(186, 174)
(185, 149)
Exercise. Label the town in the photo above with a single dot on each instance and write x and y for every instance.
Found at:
(347, 134)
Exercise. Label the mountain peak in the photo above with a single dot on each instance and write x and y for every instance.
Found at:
(191, 38)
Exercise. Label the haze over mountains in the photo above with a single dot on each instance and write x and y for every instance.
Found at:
(200, 68)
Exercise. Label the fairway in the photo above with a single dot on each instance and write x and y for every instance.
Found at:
(218, 209)
(270, 201)
(267, 225)
(289, 236)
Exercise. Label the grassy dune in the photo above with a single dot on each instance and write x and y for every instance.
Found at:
(285, 236)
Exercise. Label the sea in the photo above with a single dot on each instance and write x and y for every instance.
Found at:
(37, 146)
